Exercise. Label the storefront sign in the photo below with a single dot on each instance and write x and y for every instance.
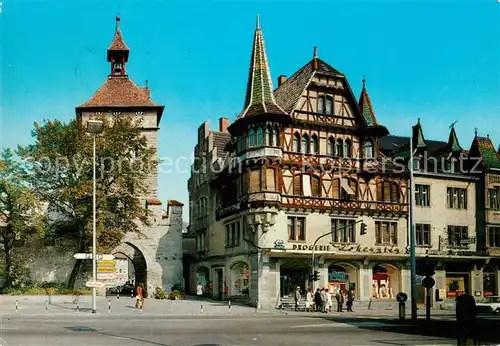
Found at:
(337, 276)
(279, 244)
(310, 247)
(348, 248)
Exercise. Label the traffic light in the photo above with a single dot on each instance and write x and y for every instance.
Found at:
(316, 276)
(363, 228)
(429, 267)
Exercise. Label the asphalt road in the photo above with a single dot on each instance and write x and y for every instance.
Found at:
(199, 330)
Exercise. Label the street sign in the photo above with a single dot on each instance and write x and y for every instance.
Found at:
(106, 269)
(402, 297)
(83, 256)
(428, 282)
(106, 263)
(106, 276)
(95, 284)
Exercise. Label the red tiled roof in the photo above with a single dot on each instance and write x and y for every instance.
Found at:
(173, 202)
(118, 42)
(153, 202)
(120, 91)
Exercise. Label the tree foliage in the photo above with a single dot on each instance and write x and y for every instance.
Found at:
(60, 171)
(21, 214)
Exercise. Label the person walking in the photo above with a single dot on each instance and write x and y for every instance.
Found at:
(329, 302)
(297, 298)
(350, 300)
(317, 299)
(139, 297)
(310, 300)
(324, 300)
(466, 314)
(340, 300)
(199, 291)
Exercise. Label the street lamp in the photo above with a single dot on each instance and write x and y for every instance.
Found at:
(94, 127)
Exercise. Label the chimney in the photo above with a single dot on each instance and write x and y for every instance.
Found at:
(281, 79)
(223, 124)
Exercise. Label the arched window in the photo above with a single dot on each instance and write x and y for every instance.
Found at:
(340, 147)
(305, 144)
(347, 148)
(331, 146)
(368, 149)
(328, 105)
(268, 135)
(314, 144)
(276, 137)
(260, 136)
(296, 142)
(251, 138)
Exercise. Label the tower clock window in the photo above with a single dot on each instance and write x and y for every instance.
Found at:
(260, 136)
(296, 143)
(251, 138)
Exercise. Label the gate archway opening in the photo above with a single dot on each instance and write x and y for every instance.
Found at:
(386, 281)
(132, 263)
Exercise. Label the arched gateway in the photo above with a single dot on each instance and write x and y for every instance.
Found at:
(155, 253)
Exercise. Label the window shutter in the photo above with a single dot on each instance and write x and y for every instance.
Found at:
(297, 185)
(387, 191)
(395, 192)
(315, 186)
(270, 179)
(380, 196)
(336, 188)
(306, 184)
(255, 181)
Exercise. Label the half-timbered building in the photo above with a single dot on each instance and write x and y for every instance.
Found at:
(299, 162)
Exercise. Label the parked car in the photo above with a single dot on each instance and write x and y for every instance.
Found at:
(490, 305)
(126, 289)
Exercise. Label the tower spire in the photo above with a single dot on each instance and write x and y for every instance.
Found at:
(259, 96)
(118, 52)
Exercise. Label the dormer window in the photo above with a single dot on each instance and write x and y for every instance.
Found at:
(325, 104)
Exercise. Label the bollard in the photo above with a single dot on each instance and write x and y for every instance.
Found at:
(201, 310)
(77, 306)
(118, 295)
(109, 306)
(370, 304)
(46, 306)
(132, 295)
(229, 304)
(256, 305)
(402, 311)
(17, 308)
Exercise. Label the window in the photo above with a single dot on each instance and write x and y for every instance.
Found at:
(233, 234)
(386, 233)
(456, 198)
(423, 234)
(306, 185)
(325, 104)
(493, 236)
(422, 195)
(315, 186)
(321, 104)
(297, 184)
(349, 189)
(388, 191)
(276, 138)
(305, 144)
(314, 144)
(260, 136)
(494, 198)
(340, 147)
(347, 148)
(296, 143)
(255, 181)
(240, 144)
(200, 241)
(343, 231)
(270, 179)
(269, 131)
(336, 188)
(296, 228)
(456, 234)
(331, 147)
(251, 138)
(368, 149)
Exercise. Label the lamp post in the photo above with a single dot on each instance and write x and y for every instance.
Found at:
(413, 261)
(94, 127)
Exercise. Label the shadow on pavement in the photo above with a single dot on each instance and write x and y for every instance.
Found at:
(92, 330)
(488, 331)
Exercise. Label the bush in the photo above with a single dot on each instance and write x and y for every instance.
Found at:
(160, 293)
(176, 295)
(52, 289)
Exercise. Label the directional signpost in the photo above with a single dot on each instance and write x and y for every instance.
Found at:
(88, 256)
(106, 268)
(95, 284)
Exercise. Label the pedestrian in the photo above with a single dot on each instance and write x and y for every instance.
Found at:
(297, 298)
(350, 300)
(466, 319)
(324, 300)
(310, 300)
(329, 302)
(199, 291)
(317, 299)
(139, 296)
(340, 301)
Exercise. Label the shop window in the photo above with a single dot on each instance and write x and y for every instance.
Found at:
(386, 233)
(422, 195)
(456, 198)
(423, 234)
(296, 228)
(240, 277)
(458, 236)
(489, 284)
(343, 231)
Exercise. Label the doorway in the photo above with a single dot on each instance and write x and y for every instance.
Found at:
(290, 279)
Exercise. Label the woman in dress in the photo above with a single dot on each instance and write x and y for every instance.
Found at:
(329, 302)
(310, 300)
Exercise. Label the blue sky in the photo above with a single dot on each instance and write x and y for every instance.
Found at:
(437, 61)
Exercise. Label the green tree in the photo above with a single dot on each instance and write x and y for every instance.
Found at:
(21, 213)
(60, 170)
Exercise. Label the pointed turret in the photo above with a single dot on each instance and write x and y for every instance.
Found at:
(118, 52)
(365, 106)
(419, 141)
(453, 144)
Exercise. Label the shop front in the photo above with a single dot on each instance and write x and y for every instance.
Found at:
(342, 278)
(490, 284)
(240, 279)
(386, 281)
